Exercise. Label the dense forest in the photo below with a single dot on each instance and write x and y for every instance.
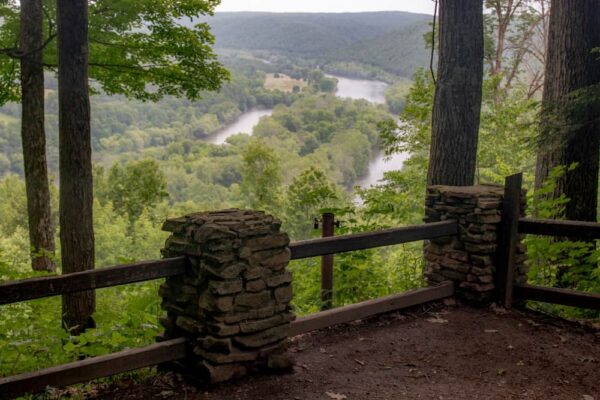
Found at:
(152, 157)
(359, 44)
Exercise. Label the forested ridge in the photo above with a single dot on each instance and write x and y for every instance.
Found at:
(152, 158)
(391, 41)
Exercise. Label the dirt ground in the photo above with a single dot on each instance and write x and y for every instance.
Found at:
(433, 352)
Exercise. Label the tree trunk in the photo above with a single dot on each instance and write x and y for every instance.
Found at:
(76, 194)
(570, 129)
(457, 94)
(41, 231)
(570, 118)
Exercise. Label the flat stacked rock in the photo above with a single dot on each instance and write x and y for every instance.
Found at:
(234, 300)
(468, 259)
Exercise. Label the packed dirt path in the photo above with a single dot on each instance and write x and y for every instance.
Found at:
(429, 353)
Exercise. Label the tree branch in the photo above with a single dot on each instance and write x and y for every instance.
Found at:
(16, 53)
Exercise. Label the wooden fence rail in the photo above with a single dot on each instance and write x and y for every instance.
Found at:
(565, 297)
(172, 350)
(510, 228)
(35, 288)
(369, 240)
(370, 308)
(92, 368)
(97, 367)
(551, 227)
(111, 364)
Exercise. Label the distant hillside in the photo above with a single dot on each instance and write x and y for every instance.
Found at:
(392, 41)
(399, 52)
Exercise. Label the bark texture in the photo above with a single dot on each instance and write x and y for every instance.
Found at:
(458, 94)
(570, 129)
(76, 194)
(41, 230)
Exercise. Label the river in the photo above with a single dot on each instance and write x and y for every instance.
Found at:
(370, 90)
(243, 124)
(374, 92)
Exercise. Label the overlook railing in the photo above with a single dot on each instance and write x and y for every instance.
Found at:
(512, 226)
(175, 349)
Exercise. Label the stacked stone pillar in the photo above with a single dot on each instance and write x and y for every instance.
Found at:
(233, 302)
(469, 259)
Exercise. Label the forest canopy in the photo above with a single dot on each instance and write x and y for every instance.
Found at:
(154, 155)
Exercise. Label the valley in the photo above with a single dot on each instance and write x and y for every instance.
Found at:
(296, 114)
(356, 89)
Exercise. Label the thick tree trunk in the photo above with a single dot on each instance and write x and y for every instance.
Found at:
(570, 123)
(457, 103)
(41, 231)
(570, 129)
(76, 195)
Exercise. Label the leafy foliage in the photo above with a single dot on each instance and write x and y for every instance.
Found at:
(554, 262)
(359, 275)
(261, 178)
(132, 188)
(507, 140)
(137, 48)
(301, 161)
(307, 195)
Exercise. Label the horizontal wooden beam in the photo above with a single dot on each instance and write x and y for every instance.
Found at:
(35, 288)
(92, 368)
(369, 240)
(565, 297)
(551, 227)
(172, 350)
(370, 308)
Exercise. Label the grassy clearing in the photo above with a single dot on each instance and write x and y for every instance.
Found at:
(283, 82)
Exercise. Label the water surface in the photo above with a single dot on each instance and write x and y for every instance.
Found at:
(380, 165)
(244, 124)
(370, 90)
(374, 92)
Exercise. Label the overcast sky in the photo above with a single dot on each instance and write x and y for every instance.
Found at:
(417, 6)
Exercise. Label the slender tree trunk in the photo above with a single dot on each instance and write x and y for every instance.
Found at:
(570, 129)
(457, 94)
(76, 195)
(41, 231)
(503, 23)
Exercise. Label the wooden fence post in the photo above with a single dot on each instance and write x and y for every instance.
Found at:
(327, 265)
(508, 239)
